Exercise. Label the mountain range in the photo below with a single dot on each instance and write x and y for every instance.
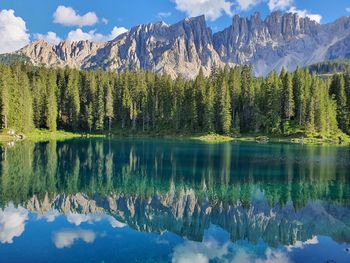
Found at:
(280, 40)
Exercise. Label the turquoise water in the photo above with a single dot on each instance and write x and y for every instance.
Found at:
(145, 200)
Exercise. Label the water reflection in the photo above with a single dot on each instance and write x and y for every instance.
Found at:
(267, 200)
(12, 222)
(66, 238)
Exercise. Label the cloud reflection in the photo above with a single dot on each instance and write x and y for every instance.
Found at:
(50, 215)
(66, 238)
(211, 250)
(12, 223)
(191, 251)
(78, 219)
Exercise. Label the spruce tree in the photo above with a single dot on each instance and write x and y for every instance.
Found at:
(51, 102)
(109, 104)
(5, 75)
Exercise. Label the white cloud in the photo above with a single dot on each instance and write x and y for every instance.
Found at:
(67, 16)
(116, 31)
(279, 4)
(66, 238)
(347, 9)
(12, 222)
(50, 37)
(304, 13)
(78, 34)
(212, 9)
(104, 21)
(246, 4)
(13, 32)
(163, 15)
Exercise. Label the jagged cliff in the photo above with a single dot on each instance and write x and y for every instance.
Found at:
(280, 40)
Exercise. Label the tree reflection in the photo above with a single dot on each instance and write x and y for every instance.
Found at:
(156, 185)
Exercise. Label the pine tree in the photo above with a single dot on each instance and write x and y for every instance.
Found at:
(38, 91)
(200, 89)
(73, 99)
(179, 111)
(247, 100)
(190, 108)
(271, 102)
(5, 75)
(99, 108)
(109, 104)
(299, 95)
(287, 96)
(225, 108)
(338, 91)
(51, 102)
(208, 110)
(21, 111)
(235, 93)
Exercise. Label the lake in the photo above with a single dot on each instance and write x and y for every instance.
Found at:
(155, 200)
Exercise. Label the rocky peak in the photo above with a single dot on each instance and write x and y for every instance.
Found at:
(280, 40)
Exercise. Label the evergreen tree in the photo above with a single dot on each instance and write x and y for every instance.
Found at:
(287, 96)
(271, 113)
(5, 75)
(200, 89)
(51, 102)
(247, 100)
(337, 90)
(299, 95)
(72, 99)
(224, 107)
(109, 104)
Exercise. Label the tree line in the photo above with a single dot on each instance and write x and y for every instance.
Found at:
(230, 101)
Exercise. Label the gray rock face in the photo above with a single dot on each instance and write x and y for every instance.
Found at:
(179, 49)
(281, 40)
(71, 54)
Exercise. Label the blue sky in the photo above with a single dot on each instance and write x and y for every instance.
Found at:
(101, 20)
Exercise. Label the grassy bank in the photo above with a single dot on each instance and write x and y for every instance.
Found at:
(316, 139)
(212, 138)
(45, 135)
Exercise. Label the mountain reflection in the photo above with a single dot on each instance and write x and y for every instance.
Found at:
(271, 192)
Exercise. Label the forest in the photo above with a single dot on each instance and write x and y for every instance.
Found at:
(230, 101)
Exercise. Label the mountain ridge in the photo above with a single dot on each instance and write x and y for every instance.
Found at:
(280, 40)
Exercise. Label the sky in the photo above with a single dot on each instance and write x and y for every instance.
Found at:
(24, 21)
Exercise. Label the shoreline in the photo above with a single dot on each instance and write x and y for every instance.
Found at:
(45, 135)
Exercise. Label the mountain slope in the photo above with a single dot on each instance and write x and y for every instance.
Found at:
(280, 40)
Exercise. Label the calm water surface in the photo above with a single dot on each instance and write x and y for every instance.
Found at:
(124, 200)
